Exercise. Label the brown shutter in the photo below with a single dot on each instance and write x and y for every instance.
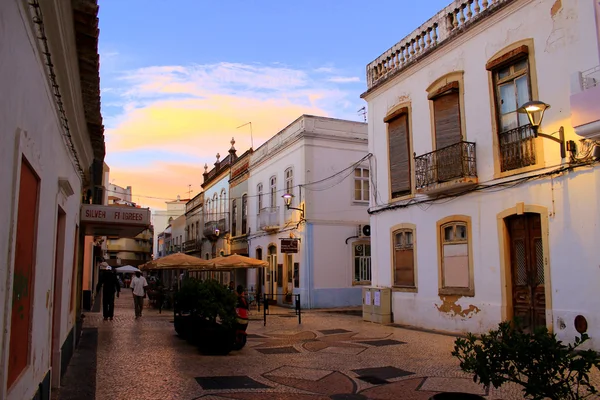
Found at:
(404, 269)
(447, 120)
(399, 156)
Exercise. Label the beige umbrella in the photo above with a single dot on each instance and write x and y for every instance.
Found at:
(234, 261)
(176, 261)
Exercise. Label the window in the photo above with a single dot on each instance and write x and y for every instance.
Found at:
(399, 153)
(289, 182)
(207, 211)
(233, 217)
(361, 252)
(223, 204)
(273, 191)
(512, 87)
(244, 214)
(259, 191)
(404, 260)
(455, 265)
(446, 114)
(214, 211)
(361, 184)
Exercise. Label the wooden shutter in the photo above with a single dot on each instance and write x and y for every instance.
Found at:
(404, 270)
(447, 119)
(399, 156)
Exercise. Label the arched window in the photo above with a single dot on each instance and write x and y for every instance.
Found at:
(223, 203)
(289, 182)
(244, 214)
(273, 191)
(259, 191)
(214, 210)
(234, 218)
(455, 256)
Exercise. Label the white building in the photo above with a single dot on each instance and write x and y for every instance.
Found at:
(487, 221)
(215, 186)
(51, 157)
(317, 161)
(162, 218)
(194, 221)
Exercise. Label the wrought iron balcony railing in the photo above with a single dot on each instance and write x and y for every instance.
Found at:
(517, 148)
(449, 163)
(268, 218)
(192, 245)
(210, 228)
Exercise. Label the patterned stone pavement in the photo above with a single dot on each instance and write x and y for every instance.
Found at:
(329, 356)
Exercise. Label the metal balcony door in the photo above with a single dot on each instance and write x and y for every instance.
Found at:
(527, 268)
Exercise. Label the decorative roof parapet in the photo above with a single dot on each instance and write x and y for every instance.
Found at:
(445, 25)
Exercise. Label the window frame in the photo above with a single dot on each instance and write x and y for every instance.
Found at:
(363, 181)
(259, 202)
(392, 114)
(289, 182)
(353, 257)
(455, 220)
(404, 227)
(234, 217)
(273, 191)
(506, 56)
(244, 214)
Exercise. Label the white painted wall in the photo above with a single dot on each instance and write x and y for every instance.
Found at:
(30, 126)
(563, 44)
(316, 148)
(160, 219)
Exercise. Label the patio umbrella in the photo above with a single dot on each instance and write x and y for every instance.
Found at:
(127, 268)
(236, 261)
(176, 261)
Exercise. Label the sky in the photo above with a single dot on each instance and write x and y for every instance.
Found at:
(178, 78)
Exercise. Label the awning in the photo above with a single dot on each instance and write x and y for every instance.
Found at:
(117, 220)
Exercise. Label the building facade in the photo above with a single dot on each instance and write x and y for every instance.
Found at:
(162, 218)
(216, 205)
(313, 248)
(480, 215)
(194, 220)
(51, 159)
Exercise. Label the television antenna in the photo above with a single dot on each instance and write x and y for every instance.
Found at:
(363, 112)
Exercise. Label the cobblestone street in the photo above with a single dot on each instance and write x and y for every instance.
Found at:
(329, 356)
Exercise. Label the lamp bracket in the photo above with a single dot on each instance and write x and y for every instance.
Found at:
(560, 140)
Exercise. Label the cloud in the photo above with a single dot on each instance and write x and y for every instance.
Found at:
(344, 79)
(191, 112)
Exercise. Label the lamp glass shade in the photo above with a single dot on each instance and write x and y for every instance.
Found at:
(535, 112)
(287, 198)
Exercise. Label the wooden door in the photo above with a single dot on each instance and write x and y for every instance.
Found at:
(23, 275)
(527, 268)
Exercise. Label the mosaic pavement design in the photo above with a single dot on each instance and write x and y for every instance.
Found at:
(340, 341)
(319, 384)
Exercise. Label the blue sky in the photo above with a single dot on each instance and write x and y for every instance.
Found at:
(178, 77)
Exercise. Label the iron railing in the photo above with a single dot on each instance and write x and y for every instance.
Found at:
(192, 245)
(517, 148)
(451, 162)
(268, 218)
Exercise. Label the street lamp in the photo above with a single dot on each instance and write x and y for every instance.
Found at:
(535, 113)
(217, 232)
(287, 199)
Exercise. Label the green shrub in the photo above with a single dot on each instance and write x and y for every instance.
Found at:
(208, 300)
(541, 364)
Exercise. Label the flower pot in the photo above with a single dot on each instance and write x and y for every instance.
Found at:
(182, 324)
(456, 396)
(212, 338)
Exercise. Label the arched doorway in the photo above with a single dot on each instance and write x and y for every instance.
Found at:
(527, 294)
(270, 274)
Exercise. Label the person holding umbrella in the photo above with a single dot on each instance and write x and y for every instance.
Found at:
(110, 285)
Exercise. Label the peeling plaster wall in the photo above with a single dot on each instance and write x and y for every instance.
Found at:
(27, 105)
(565, 41)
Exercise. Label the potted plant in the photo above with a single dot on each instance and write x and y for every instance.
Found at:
(185, 305)
(542, 365)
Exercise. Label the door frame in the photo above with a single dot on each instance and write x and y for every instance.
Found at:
(505, 259)
(57, 300)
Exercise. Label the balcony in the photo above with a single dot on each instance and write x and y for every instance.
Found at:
(268, 219)
(191, 246)
(210, 228)
(447, 169)
(517, 148)
(585, 103)
(448, 24)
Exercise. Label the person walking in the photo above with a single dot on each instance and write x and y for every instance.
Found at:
(138, 288)
(110, 285)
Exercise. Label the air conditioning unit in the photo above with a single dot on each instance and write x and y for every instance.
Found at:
(364, 231)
